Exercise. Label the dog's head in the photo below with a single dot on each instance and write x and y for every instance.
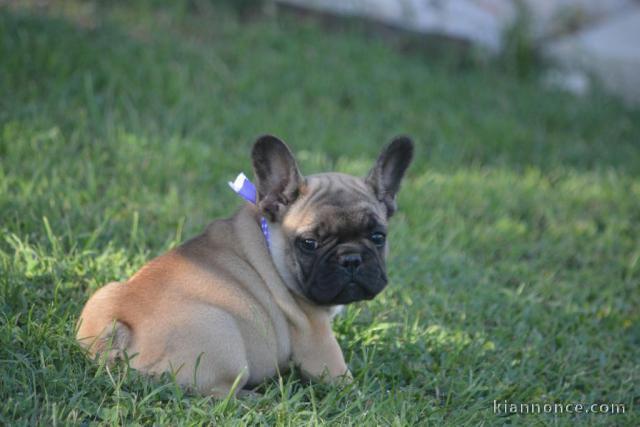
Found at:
(329, 230)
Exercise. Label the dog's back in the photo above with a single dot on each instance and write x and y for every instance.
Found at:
(191, 310)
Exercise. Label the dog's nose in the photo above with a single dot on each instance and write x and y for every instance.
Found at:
(350, 261)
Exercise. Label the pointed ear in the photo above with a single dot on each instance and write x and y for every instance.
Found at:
(278, 179)
(385, 176)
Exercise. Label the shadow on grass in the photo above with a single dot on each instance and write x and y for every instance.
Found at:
(264, 76)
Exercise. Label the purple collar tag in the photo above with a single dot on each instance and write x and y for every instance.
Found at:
(245, 189)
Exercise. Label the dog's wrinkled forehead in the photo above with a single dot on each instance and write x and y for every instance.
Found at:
(344, 200)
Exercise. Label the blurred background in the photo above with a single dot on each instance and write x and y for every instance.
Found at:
(582, 39)
(515, 260)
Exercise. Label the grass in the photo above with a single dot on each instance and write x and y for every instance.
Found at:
(515, 257)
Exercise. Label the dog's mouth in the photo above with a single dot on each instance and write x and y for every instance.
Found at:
(351, 291)
(364, 290)
(356, 292)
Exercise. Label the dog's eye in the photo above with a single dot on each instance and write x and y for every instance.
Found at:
(378, 239)
(308, 245)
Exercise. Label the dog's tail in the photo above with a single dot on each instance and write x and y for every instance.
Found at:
(99, 329)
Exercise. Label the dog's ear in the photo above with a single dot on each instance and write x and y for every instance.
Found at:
(386, 175)
(278, 179)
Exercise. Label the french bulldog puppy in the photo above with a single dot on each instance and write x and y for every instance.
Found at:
(234, 305)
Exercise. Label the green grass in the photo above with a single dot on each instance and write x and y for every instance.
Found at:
(515, 257)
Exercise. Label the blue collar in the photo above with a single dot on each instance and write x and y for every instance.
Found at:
(245, 189)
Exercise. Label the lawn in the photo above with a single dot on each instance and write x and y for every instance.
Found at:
(515, 256)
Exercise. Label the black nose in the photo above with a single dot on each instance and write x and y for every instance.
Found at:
(350, 261)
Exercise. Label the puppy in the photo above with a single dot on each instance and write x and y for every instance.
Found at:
(234, 305)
